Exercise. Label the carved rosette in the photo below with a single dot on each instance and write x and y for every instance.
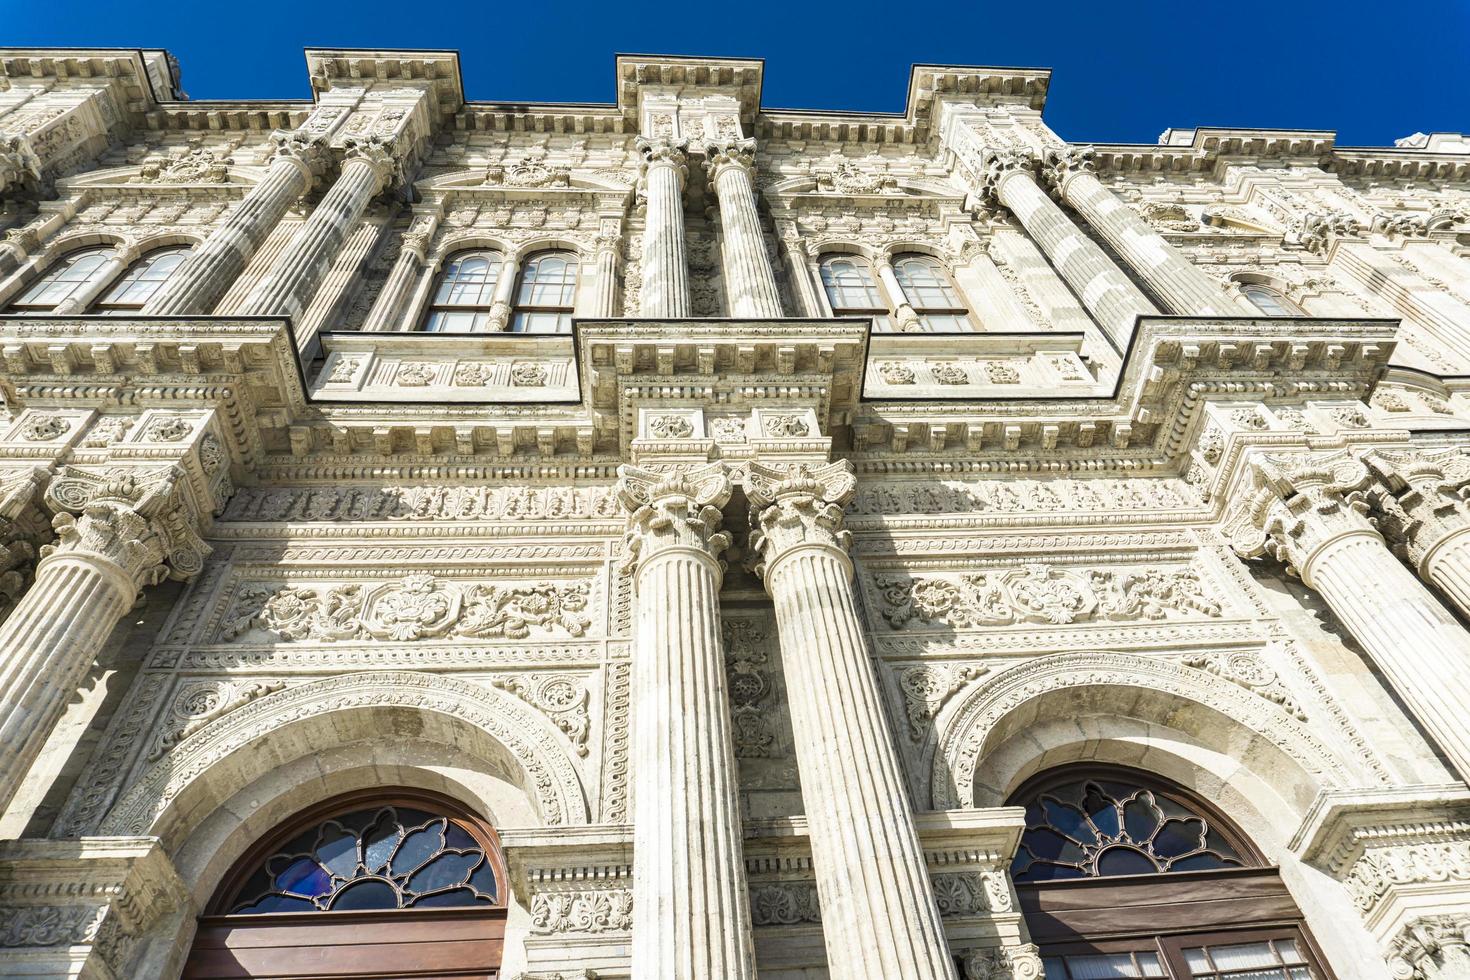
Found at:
(1062, 164)
(730, 153)
(675, 510)
(1298, 504)
(663, 152)
(797, 506)
(1421, 498)
(138, 523)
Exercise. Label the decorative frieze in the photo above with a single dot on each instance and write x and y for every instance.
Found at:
(419, 607)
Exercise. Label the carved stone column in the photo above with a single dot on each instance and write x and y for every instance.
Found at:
(1432, 947)
(749, 280)
(1183, 288)
(288, 287)
(1423, 512)
(665, 291)
(605, 298)
(691, 904)
(202, 278)
(115, 535)
(406, 267)
(878, 913)
(1108, 295)
(1309, 511)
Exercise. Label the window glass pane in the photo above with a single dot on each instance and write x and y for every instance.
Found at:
(1151, 965)
(925, 283)
(68, 276)
(468, 280)
(850, 285)
(1104, 966)
(531, 321)
(1054, 968)
(1092, 828)
(1269, 301)
(549, 279)
(945, 322)
(1242, 955)
(143, 278)
(390, 857)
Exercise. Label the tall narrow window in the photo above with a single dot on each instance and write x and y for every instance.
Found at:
(1122, 874)
(853, 290)
(547, 293)
(69, 276)
(1270, 301)
(926, 286)
(465, 293)
(142, 280)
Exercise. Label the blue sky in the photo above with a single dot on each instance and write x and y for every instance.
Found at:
(1123, 71)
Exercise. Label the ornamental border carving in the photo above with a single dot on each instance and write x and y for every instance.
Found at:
(552, 778)
(951, 760)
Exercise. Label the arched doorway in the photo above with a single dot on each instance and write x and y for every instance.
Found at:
(1123, 874)
(368, 885)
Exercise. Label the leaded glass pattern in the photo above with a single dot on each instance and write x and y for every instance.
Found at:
(143, 279)
(68, 276)
(390, 857)
(1101, 828)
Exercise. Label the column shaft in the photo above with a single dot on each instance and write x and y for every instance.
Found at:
(750, 282)
(202, 278)
(288, 287)
(1448, 567)
(878, 912)
(605, 298)
(665, 291)
(47, 645)
(691, 908)
(691, 902)
(386, 308)
(1173, 278)
(1414, 641)
(1108, 295)
(879, 918)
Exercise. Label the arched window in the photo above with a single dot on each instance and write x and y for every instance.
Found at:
(143, 279)
(852, 289)
(1270, 301)
(547, 292)
(465, 293)
(385, 886)
(70, 275)
(1123, 874)
(926, 286)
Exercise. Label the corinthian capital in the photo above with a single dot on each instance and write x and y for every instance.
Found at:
(1317, 229)
(675, 509)
(377, 153)
(795, 506)
(1421, 497)
(663, 151)
(306, 151)
(1297, 503)
(1431, 946)
(998, 163)
(1068, 161)
(729, 153)
(140, 522)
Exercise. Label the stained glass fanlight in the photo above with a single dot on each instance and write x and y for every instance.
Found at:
(1101, 828)
(387, 857)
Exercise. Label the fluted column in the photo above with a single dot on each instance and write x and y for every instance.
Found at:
(1311, 512)
(1173, 278)
(750, 281)
(1423, 511)
(665, 291)
(388, 306)
(878, 913)
(288, 287)
(84, 584)
(102, 280)
(905, 319)
(691, 904)
(202, 278)
(1105, 291)
(604, 301)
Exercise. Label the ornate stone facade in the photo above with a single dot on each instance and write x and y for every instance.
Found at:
(743, 608)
